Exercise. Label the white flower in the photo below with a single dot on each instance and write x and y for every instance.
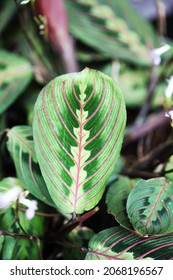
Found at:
(17, 193)
(155, 54)
(169, 114)
(25, 2)
(169, 89)
(32, 207)
(7, 198)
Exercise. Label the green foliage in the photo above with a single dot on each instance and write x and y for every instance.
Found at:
(20, 248)
(78, 129)
(64, 149)
(112, 30)
(150, 207)
(15, 75)
(21, 147)
(116, 200)
(119, 244)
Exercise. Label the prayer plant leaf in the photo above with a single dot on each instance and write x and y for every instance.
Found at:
(15, 75)
(119, 244)
(150, 207)
(21, 147)
(112, 28)
(78, 129)
(116, 199)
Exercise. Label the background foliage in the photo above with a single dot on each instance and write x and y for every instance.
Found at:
(40, 41)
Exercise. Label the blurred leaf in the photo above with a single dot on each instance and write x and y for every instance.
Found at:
(169, 167)
(78, 128)
(150, 207)
(18, 248)
(119, 244)
(1, 241)
(116, 199)
(134, 83)
(7, 12)
(15, 75)
(113, 28)
(116, 171)
(53, 19)
(78, 238)
(21, 147)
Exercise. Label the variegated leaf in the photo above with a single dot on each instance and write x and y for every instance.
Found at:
(112, 28)
(21, 147)
(150, 207)
(15, 75)
(78, 129)
(119, 244)
(116, 200)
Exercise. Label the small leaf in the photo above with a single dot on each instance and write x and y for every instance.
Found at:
(119, 244)
(15, 75)
(78, 128)
(116, 200)
(150, 207)
(21, 147)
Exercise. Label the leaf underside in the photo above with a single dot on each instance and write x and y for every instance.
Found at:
(120, 244)
(78, 129)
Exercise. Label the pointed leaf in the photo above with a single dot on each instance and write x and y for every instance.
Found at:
(112, 28)
(116, 200)
(21, 147)
(78, 129)
(15, 75)
(150, 207)
(119, 244)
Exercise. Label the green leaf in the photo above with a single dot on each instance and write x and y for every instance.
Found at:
(14, 248)
(116, 200)
(21, 147)
(7, 12)
(1, 240)
(119, 244)
(113, 28)
(15, 75)
(134, 83)
(78, 129)
(19, 249)
(150, 207)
